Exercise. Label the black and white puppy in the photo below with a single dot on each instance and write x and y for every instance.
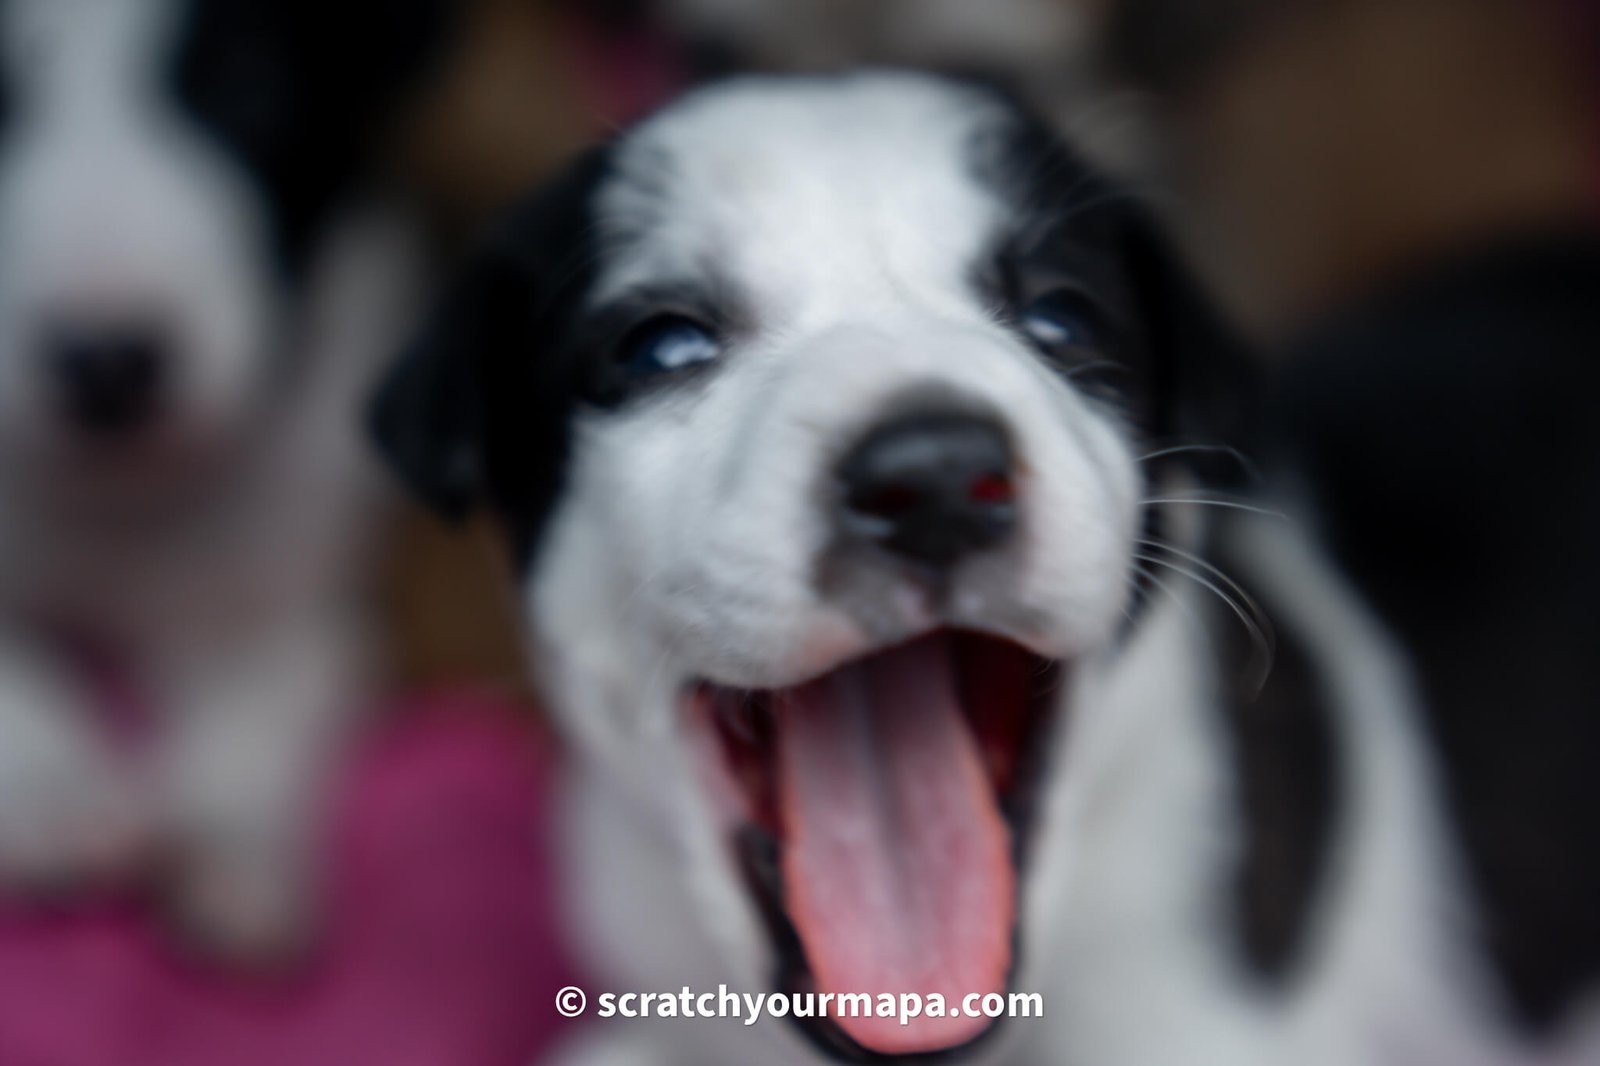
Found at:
(838, 422)
(193, 289)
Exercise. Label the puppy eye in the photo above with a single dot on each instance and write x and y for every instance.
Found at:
(1061, 320)
(667, 344)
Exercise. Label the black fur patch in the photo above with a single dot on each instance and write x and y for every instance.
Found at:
(1287, 775)
(478, 410)
(301, 92)
(1188, 377)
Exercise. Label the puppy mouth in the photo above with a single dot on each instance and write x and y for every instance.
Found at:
(884, 809)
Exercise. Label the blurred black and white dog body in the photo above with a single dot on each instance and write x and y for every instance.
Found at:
(846, 428)
(195, 289)
(1450, 553)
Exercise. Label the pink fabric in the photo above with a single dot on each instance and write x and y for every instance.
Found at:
(441, 947)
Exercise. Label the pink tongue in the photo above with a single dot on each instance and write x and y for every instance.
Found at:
(897, 863)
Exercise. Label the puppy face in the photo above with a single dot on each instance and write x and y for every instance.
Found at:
(817, 408)
(166, 167)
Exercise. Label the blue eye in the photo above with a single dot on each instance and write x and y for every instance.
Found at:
(1063, 319)
(665, 345)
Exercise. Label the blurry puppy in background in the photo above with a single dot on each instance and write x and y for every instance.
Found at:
(194, 283)
(848, 430)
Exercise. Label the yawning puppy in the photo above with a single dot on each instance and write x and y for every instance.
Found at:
(193, 288)
(833, 419)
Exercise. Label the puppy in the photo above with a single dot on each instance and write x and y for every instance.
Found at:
(850, 434)
(194, 283)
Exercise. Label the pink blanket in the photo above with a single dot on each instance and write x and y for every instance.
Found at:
(441, 947)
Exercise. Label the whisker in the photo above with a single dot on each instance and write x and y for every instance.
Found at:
(1232, 505)
(1089, 368)
(1172, 594)
(1233, 586)
(1264, 640)
(1245, 462)
(1093, 203)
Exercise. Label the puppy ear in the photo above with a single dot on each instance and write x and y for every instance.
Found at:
(475, 412)
(1208, 378)
(429, 416)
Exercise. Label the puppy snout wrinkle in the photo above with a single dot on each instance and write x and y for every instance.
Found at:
(107, 378)
(931, 487)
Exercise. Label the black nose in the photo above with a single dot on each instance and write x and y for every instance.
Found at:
(931, 487)
(108, 380)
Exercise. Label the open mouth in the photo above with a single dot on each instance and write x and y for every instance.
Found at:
(885, 808)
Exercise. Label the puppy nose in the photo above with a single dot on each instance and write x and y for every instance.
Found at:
(931, 487)
(108, 379)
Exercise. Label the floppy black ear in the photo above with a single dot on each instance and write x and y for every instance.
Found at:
(474, 414)
(1208, 379)
(430, 416)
